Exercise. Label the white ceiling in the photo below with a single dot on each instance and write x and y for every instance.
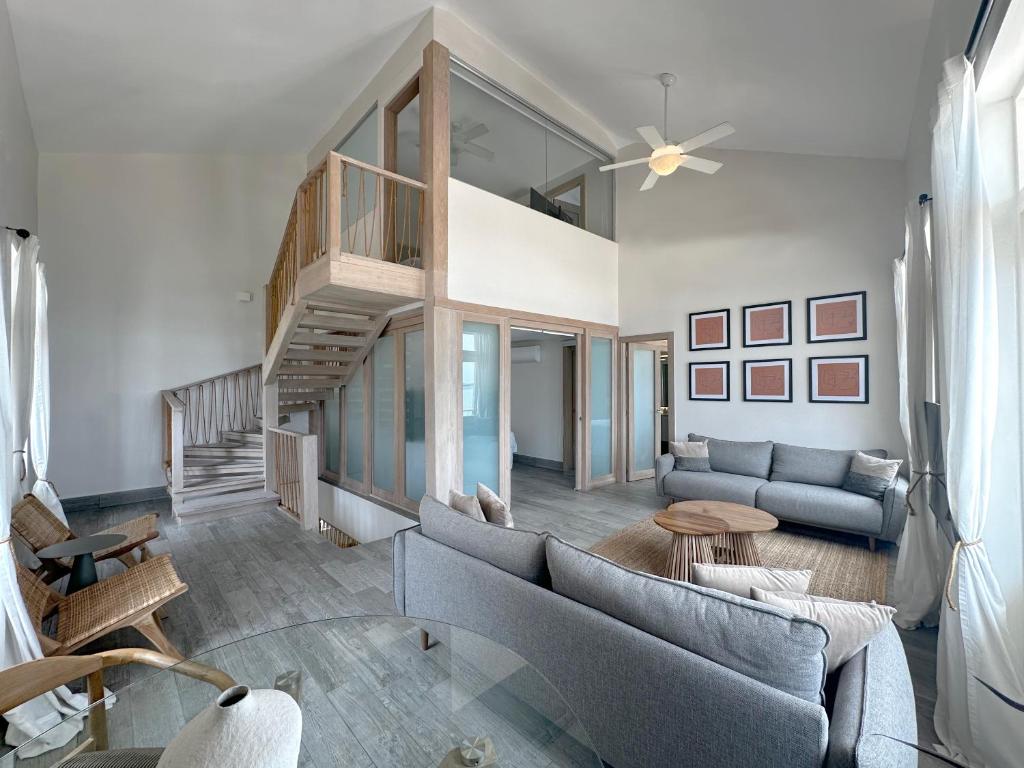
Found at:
(809, 76)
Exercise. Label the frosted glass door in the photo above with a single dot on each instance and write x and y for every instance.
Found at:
(415, 418)
(384, 414)
(643, 411)
(600, 407)
(481, 404)
(332, 435)
(354, 428)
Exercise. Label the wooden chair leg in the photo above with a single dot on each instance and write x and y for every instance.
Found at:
(144, 553)
(128, 559)
(149, 626)
(424, 640)
(871, 543)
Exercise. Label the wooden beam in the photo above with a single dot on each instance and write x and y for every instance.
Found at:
(279, 346)
(371, 339)
(435, 165)
(328, 340)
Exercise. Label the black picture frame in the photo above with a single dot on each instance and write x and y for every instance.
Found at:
(789, 323)
(863, 295)
(810, 380)
(703, 364)
(728, 329)
(789, 369)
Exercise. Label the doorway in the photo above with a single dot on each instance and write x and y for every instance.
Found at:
(544, 407)
(648, 402)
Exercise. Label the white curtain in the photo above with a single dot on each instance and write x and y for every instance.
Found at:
(18, 641)
(920, 564)
(21, 331)
(39, 419)
(974, 640)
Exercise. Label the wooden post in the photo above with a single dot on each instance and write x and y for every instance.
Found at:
(177, 450)
(310, 482)
(435, 165)
(333, 204)
(270, 417)
(443, 421)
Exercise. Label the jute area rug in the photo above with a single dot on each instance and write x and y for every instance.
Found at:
(844, 571)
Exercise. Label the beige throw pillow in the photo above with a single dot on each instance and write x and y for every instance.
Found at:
(467, 505)
(739, 579)
(495, 510)
(851, 626)
(689, 450)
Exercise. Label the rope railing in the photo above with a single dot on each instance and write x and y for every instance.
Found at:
(346, 206)
(230, 402)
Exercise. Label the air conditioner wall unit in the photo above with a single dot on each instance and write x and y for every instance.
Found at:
(528, 354)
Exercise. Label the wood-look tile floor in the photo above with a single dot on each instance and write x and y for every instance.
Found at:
(260, 571)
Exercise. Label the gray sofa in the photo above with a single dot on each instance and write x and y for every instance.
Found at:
(661, 673)
(801, 485)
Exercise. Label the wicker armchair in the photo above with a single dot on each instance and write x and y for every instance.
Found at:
(38, 527)
(24, 682)
(127, 599)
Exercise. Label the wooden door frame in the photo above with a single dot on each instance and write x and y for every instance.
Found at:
(669, 338)
(570, 408)
(630, 347)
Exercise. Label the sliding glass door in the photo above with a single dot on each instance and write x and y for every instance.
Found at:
(481, 406)
(644, 425)
(601, 390)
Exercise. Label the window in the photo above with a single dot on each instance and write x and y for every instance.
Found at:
(501, 144)
(384, 414)
(354, 429)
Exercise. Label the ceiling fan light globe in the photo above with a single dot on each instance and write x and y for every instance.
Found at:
(665, 164)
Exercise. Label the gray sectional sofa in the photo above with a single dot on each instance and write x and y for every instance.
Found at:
(801, 485)
(659, 672)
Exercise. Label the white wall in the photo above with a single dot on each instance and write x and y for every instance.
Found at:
(536, 396)
(768, 227)
(359, 518)
(503, 254)
(18, 154)
(144, 256)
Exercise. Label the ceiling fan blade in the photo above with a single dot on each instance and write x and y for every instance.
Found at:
(624, 163)
(473, 132)
(699, 164)
(650, 134)
(475, 149)
(710, 135)
(652, 177)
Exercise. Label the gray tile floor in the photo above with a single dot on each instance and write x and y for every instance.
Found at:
(258, 572)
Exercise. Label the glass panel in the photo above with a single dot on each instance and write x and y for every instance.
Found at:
(600, 407)
(415, 418)
(332, 434)
(384, 413)
(644, 363)
(505, 146)
(354, 428)
(480, 406)
(407, 162)
(360, 144)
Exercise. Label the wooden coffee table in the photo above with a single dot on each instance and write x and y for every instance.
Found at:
(699, 528)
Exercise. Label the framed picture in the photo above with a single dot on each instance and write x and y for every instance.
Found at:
(768, 325)
(709, 330)
(709, 381)
(840, 317)
(838, 379)
(769, 381)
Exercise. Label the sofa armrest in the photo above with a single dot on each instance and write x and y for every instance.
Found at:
(398, 568)
(874, 706)
(894, 509)
(665, 464)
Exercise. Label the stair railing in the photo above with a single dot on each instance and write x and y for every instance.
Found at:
(345, 206)
(294, 479)
(200, 412)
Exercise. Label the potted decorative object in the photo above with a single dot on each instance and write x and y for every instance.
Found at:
(243, 728)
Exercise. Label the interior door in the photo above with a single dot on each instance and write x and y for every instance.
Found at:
(643, 409)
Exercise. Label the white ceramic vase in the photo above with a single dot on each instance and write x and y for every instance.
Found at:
(241, 729)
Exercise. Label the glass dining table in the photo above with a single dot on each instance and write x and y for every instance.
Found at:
(369, 696)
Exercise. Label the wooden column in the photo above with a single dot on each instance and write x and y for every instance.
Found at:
(435, 164)
(443, 380)
(270, 416)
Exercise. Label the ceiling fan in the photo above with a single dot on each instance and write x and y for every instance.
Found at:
(464, 134)
(665, 157)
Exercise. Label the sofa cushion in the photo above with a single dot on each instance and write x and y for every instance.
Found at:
(871, 476)
(715, 486)
(819, 505)
(520, 553)
(751, 459)
(763, 643)
(815, 466)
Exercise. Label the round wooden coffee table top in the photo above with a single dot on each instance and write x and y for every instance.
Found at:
(711, 517)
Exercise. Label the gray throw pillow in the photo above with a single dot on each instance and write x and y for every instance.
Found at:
(870, 476)
(691, 456)
(467, 505)
(495, 510)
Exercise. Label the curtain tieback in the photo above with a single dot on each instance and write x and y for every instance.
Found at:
(24, 466)
(951, 577)
(918, 476)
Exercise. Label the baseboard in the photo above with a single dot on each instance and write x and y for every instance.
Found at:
(533, 461)
(115, 499)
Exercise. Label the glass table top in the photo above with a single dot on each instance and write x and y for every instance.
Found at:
(369, 697)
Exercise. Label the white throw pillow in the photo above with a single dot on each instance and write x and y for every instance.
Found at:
(691, 450)
(739, 579)
(850, 626)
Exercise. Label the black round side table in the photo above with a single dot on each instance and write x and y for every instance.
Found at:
(83, 568)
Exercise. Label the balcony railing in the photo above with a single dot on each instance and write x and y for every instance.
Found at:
(346, 206)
